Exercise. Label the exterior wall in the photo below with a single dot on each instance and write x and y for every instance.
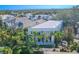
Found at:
(43, 29)
(47, 43)
(44, 42)
(47, 32)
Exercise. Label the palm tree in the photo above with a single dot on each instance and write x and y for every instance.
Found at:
(58, 38)
(47, 37)
(35, 35)
(43, 36)
(40, 37)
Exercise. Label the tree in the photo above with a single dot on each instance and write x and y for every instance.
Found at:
(35, 36)
(17, 41)
(7, 50)
(0, 22)
(58, 37)
(47, 37)
(73, 46)
(69, 34)
(29, 46)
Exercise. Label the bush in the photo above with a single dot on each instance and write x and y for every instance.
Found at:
(38, 52)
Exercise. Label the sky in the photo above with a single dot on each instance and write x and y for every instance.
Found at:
(26, 7)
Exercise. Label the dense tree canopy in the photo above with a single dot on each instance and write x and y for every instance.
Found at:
(16, 41)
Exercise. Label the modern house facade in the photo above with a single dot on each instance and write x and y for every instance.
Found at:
(48, 27)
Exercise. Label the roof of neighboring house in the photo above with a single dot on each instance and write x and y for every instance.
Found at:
(6, 16)
(39, 21)
(48, 24)
(28, 23)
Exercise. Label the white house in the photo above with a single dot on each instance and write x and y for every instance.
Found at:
(43, 16)
(29, 16)
(47, 27)
(9, 20)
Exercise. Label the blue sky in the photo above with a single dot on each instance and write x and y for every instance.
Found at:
(22, 7)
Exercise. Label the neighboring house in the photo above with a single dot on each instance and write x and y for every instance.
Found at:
(23, 22)
(38, 16)
(29, 16)
(19, 22)
(9, 20)
(13, 22)
(76, 28)
(47, 27)
(43, 16)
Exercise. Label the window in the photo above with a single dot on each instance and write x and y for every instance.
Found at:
(20, 24)
(46, 40)
(31, 32)
(39, 40)
(42, 39)
(50, 39)
(39, 33)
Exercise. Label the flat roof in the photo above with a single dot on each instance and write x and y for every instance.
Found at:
(49, 24)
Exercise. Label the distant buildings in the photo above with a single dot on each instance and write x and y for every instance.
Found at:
(29, 16)
(38, 16)
(26, 20)
(19, 22)
(11, 21)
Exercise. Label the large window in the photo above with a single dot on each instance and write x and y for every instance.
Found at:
(39, 40)
(42, 39)
(50, 38)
